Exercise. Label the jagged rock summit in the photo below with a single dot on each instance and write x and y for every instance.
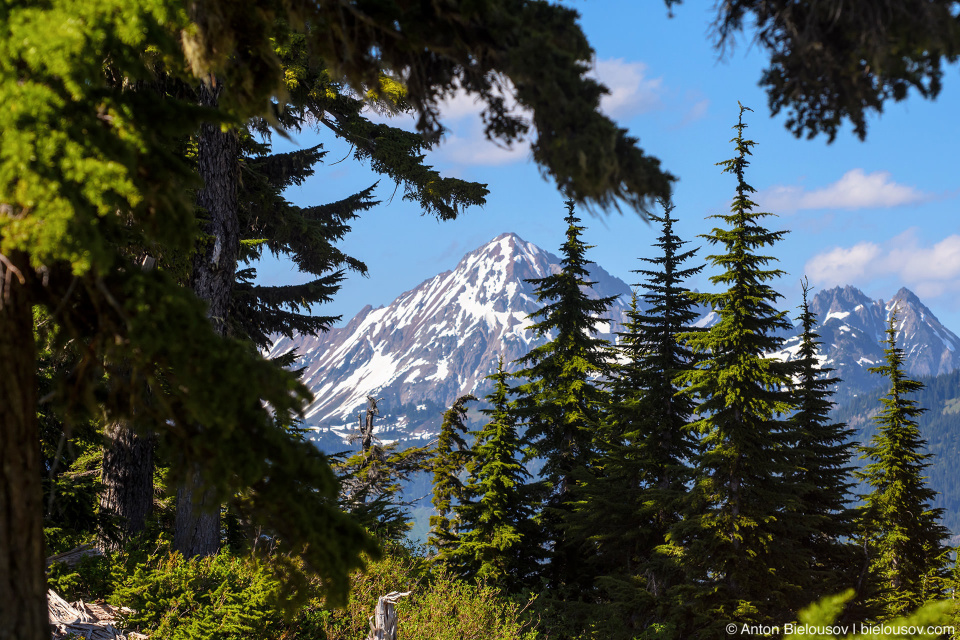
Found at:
(852, 326)
(436, 341)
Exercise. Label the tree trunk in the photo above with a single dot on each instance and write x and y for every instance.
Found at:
(127, 473)
(383, 622)
(128, 481)
(197, 529)
(23, 589)
(215, 263)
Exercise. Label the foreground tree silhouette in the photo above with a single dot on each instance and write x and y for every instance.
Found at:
(904, 539)
(832, 63)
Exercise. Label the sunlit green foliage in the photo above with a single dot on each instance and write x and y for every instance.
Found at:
(449, 463)
(730, 536)
(497, 540)
(902, 534)
(640, 488)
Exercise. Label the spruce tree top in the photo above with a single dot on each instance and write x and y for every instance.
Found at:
(559, 400)
(746, 308)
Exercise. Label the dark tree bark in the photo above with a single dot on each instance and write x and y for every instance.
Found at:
(215, 263)
(128, 481)
(127, 474)
(197, 529)
(367, 430)
(23, 590)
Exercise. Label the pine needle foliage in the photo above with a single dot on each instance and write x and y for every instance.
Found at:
(560, 398)
(449, 462)
(641, 488)
(901, 531)
(305, 235)
(315, 98)
(729, 536)
(497, 541)
(823, 523)
(371, 484)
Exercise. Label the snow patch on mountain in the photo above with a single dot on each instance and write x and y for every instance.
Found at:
(441, 339)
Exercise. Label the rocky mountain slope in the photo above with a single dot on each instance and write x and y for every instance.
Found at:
(440, 340)
(436, 341)
(852, 326)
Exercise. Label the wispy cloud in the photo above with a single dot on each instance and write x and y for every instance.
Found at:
(695, 112)
(930, 270)
(631, 91)
(855, 190)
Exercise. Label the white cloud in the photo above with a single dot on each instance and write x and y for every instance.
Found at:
(842, 265)
(929, 270)
(473, 148)
(631, 92)
(694, 113)
(855, 190)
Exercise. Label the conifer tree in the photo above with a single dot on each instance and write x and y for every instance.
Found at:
(371, 479)
(560, 399)
(822, 522)
(498, 539)
(639, 493)
(448, 463)
(89, 162)
(904, 539)
(728, 534)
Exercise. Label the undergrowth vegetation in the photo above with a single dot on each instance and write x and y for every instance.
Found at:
(244, 597)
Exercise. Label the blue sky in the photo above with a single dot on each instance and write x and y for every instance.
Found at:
(878, 214)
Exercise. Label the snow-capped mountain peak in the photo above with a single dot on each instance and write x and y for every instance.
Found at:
(438, 340)
(852, 327)
(442, 338)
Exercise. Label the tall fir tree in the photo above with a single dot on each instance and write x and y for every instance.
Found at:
(639, 492)
(449, 461)
(498, 541)
(901, 532)
(560, 398)
(822, 523)
(728, 536)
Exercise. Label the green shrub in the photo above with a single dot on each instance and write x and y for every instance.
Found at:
(91, 578)
(219, 598)
(819, 621)
(440, 606)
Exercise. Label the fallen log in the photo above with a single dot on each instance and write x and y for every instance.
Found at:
(75, 555)
(89, 621)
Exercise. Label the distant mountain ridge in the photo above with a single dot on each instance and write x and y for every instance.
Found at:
(440, 339)
(852, 327)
